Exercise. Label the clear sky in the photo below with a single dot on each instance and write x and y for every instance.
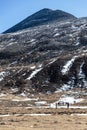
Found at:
(14, 11)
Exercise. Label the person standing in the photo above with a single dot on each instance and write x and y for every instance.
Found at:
(67, 103)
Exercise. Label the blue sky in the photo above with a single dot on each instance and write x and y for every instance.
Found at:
(13, 11)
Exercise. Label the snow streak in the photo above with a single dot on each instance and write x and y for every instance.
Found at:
(34, 73)
(68, 65)
(2, 75)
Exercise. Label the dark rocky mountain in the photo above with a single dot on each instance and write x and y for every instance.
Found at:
(41, 17)
(45, 58)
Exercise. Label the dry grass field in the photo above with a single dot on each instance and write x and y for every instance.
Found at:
(20, 113)
(48, 122)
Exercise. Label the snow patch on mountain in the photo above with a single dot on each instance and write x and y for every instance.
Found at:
(77, 43)
(57, 34)
(68, 65)
(33, 67)
(82, 77)
(34, 73)
(52, 61)
(3, 74)
(81, 74)
(11, 43)
(65, 87)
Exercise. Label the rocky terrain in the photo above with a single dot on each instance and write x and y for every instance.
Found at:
(41, 17)
(43, 65)
(45, 58)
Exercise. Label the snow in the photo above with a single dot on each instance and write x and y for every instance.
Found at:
(33, 67)
(12, 43)
(2, 75)
(80, 107)
(40, 102)
(84, 51)
(66, 98)
(15, 100)
(34, 73)
(31, 99)
(24, 74)
(65, 87)
(57, 34)
(55, 29)
(32, 40)
(23, 94)
(81, 75)
(40, 66)
(48, 26)
(73, 26)
(37, 114)
(70, 99)
(5, 115)
(53, 61)
(2, 94)
(26, 99)
(43, 114)
(77, 43)
(68, 65)
(14, 89)
(79, 114)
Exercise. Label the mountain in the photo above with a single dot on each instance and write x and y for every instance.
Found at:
(41, 17)
(45, 58)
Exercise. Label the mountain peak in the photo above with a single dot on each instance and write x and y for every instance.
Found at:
(46, 9)
(41, 17)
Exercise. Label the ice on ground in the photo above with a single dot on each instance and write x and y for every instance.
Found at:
(34, 73)
(68, 65)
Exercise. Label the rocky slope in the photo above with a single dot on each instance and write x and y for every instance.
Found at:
(45, 58)
(39, 18)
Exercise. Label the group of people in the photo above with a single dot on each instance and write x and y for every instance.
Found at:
(63, 103)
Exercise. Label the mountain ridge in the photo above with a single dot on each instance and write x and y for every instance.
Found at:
(45, 58)
(39, 18)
